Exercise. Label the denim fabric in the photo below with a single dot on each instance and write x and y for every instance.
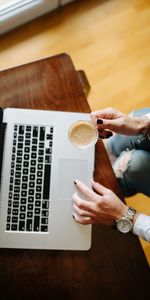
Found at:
(136, 177)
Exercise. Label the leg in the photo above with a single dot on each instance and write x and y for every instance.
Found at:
(131, 165)
(132, 170)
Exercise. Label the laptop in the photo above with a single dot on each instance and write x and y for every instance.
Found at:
(38, 167)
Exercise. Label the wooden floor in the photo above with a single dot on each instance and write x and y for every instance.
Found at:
(109, 39)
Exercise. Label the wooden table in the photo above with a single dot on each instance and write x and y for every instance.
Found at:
(115, 267)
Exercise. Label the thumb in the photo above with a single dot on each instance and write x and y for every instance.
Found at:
(112, 125)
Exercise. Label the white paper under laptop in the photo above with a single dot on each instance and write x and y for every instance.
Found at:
(39, 167)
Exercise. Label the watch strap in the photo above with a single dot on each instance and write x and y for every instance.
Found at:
(130, 213)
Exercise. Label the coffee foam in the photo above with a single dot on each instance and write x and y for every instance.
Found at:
(82, 134)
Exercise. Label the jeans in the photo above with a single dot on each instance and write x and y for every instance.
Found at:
(130, 157)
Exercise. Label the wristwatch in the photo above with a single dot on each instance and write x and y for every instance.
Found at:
(125, 223)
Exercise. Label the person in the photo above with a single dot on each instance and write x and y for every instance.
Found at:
(128, 145)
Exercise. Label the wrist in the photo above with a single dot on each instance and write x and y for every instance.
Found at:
(135, 218)
(144, 125)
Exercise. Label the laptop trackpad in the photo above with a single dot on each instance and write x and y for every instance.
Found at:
(69, 170)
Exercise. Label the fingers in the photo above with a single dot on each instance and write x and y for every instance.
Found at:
(83, 220)
(107, 119)
(84, 208)
(99, 188)
(107, 113)
(104, 134)
(86, 190)
(82, 204)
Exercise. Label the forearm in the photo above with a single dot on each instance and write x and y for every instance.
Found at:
(145, 125)
(141, 226)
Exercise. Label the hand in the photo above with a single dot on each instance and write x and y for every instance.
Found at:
(114, 120)
(99, 207)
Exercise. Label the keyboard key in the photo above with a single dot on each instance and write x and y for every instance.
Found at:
(44, 221)
(19, 152)
(24, 186)
(46, 188)
(14, 219)
(21, 129)
(32, 177)
(19, 160)
(22, 208)
(39, 174)
(20, 146)
(33, 155)
(17, 189)
(45, 204)
(31, 192)
(27, 142)
(21, 225)
(44, 228)
(38, 203)
(22, 216)
(30, 206)
(31, 184)
(24, 178)
(34, 141)
(32, 170)
(15, 212)
(38, 196)
(35, 131)
(28, 135)
(29, 214)
(16, 197)
(28, 128)
(36, 223)
(14, 227)
(24, 193)
(39, 181)
(45, 213)
(25, 164)
(23, 200)
(37, 211)
(17, 181)
(16, 204)
(26, 149)
(29, 225)
(31, 199)
(49, 136)
(42, 133)
(20, 138)
(25, 171)
(40, 159)
(8, 227)
(34, 148)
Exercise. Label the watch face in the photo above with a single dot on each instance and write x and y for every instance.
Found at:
(124, 225)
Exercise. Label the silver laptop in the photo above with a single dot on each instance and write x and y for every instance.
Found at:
(38, 169)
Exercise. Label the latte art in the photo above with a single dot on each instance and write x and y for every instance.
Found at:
(83, 134)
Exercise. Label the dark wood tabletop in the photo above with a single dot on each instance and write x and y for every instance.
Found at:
(115, 267)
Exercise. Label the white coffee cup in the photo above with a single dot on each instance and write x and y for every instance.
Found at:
(83, 134)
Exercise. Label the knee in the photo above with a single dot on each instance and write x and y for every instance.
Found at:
(132, 169)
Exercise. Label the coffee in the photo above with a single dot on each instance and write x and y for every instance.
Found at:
(83, 134)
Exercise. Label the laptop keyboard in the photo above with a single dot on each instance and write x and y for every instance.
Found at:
(28, 199)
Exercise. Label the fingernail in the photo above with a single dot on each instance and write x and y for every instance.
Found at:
(73, 216)
(109, 134)
(99, 121)
(75, 182)
(101, 137)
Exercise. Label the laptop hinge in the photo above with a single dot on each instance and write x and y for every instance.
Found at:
(2, 135)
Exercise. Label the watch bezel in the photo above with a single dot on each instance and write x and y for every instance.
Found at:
(121, 228)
